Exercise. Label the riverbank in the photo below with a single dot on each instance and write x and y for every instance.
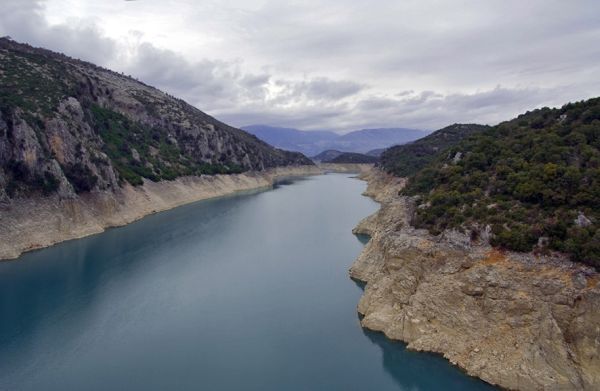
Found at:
(515, 320)
(30, 224)
(357, 168)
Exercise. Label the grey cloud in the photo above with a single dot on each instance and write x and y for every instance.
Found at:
(23, 21)
(318, 89)
(426, 110)
(214, 85)
(324, 88)
(340, 65)
(452, 44)
(206, 83)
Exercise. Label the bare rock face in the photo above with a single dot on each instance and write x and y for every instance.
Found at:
(514, 320)
(68, 127)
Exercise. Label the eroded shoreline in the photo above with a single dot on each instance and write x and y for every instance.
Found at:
(513, 320)
(41, 222)
(31, 224)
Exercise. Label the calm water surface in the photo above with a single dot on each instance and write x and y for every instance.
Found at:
(249, 292)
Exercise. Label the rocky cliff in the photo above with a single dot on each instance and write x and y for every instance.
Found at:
(515, 320)
(83, 148)
(69, 127)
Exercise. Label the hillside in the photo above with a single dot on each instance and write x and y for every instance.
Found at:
(405, 160)
(327, 155)
(529, 183)
(376, 152)
(353, 158)
(68, 126)
(312, 143)
(334, 156)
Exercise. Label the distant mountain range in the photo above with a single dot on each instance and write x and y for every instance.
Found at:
(312, 143)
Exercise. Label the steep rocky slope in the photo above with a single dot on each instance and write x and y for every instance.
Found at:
(69, 127)
(517, 320)
(83, 148)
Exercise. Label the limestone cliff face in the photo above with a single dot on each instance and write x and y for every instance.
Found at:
(38, 222)
(515, 320)
(69, 127)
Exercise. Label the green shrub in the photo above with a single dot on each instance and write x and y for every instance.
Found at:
(533, 179)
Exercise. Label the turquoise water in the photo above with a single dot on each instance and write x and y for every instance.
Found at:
(249, 292)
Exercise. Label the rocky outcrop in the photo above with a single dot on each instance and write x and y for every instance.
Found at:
(38, 222)
(515, 320)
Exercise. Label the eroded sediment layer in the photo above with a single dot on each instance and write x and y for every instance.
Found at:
(33, 223)
(516, 320)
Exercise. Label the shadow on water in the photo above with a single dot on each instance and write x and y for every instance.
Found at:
(359, 283)
(290, 180)
(363, 238)
(420, 370)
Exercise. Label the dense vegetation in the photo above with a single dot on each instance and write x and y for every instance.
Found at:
(534, 180)
(407, 159)
(351, 157)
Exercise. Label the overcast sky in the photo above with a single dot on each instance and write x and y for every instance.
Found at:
(334, 64)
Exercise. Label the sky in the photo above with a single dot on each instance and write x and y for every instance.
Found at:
(335, 65)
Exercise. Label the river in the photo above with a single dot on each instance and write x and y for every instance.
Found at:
(247, 292)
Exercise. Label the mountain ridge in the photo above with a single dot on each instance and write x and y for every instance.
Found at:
(69, 126)
(312, 143)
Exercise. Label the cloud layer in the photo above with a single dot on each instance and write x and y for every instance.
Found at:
(338, 64)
